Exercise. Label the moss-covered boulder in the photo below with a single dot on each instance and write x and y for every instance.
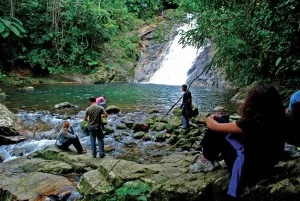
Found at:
(108, 129)
(177, 111)
(121, 126)
(160, 126)
(112, 109)
(160, 137)
(139, 135)
(173, 123)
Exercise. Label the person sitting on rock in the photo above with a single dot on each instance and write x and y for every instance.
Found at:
(293, 136)
(250, 147)
(101, 101)
(67, 137)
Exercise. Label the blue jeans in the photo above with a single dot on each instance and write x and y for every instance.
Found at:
(185, 122)
(94, 133)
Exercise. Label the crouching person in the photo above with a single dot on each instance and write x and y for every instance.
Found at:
(250, 147)
(67, 137)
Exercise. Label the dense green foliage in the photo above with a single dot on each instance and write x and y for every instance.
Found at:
(66, 36)
(254, 39)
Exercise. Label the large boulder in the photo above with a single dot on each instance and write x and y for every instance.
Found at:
(8, 127)
(64, 105)
(34, 179)
(112, 109)
(173, 123)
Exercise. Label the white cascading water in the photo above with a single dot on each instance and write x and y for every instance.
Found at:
(176, 64)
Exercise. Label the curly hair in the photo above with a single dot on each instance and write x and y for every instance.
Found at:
(263, 105)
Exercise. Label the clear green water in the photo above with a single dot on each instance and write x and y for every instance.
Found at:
(128, 96)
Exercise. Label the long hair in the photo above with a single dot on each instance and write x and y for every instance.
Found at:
(263, 105)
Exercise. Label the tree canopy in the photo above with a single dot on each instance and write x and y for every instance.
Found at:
(253, 39)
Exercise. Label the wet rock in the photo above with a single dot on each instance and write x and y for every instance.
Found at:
(112, 109)
(109, 148)
(108, 129)
(154, 111)
(129, 124)
(160, 126)
(147, 137)
(121, 126)
(139, 135)
(140, 127)
(36, 186)
(173, 123)
(64, 105)
(219, 108)
(17, 152)
(160, 137)
(177, 111)
(8, 126)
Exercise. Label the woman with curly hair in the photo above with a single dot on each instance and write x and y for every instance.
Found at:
(250, 147)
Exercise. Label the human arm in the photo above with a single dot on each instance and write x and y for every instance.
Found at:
(86, 116)
(68, 133)
(222, 127)
(104, 114)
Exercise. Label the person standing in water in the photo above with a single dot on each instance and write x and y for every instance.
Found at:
(186, 106)
(93, 115)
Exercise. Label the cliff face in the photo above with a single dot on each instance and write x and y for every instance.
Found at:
(152, 53)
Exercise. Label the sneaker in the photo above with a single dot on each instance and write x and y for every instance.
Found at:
(204, 165)
(291, 151)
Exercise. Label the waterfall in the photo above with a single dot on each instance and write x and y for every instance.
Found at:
(176, 64)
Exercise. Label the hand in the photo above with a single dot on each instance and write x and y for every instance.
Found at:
(214, 115)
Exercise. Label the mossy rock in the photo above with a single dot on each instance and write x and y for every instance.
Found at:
(121, 126)
(173, 123)
(112, 109)
(151, 120)
(108, 129)
(160, 126)
(160, 137)
(147, 137)
(139, 135)
(177, 111)
(129, 124)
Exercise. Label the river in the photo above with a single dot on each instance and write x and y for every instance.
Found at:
(128, 96)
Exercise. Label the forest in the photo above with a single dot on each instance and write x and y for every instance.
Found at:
(254, 39)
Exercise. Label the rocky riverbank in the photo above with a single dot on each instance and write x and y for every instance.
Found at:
(156, 168)
(52, 174)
